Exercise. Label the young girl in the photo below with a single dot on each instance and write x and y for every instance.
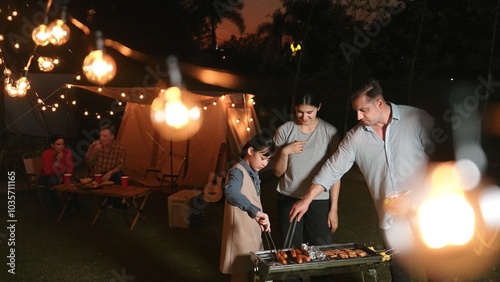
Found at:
(243, 217)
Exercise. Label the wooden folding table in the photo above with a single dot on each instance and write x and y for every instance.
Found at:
(138, 195)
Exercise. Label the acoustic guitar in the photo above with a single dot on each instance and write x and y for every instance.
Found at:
(213, 189)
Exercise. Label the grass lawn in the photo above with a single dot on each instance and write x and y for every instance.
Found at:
(73, 250)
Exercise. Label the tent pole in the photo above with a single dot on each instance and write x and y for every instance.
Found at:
(172, 182)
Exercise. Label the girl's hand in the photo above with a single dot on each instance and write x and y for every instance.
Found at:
(263, 220)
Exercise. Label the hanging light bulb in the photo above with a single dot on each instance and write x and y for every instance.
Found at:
(45, 64)
(99, 67)
(22, 86)
(59, 30)
(175, 114)
(11, 91)
(41, 34)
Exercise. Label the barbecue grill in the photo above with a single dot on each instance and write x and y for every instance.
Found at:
(266, 268)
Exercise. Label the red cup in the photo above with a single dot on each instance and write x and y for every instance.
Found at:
(124, 181)
(98, 177)
(67, 178)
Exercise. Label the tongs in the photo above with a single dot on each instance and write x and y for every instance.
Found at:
(289, 234)
(271, 245)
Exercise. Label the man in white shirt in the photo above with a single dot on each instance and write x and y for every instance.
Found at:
(390, 145)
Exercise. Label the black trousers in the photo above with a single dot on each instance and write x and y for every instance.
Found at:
(312, 229)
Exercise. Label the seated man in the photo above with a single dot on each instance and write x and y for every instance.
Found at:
(107, 157)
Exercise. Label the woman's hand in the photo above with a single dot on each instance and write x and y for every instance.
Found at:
(59, 157)
(333, 220)
(296, 147)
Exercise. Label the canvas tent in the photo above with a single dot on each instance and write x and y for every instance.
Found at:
(228, 118)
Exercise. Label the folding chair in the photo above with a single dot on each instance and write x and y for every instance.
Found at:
(33, 167)
(163, 180)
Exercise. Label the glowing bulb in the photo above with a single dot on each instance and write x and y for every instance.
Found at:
(86, 113)
(23, 84)
(59, 32)
(44, 108)
(446, 218)
(41, 35)
(176, 114)
(98, 67)
(45, 64)
(194, 113)
(11, 91)
(73, 102)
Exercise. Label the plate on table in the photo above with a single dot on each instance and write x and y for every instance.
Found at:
(89, 186)
(106, 183)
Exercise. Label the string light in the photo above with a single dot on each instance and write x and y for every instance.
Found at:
(41, 34)
(99, 67)
(59, 30)
(46, 64)
(58, 33)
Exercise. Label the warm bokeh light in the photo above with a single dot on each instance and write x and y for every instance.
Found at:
(59, 32)
(446, 218)
(98, 67)
(175, 114)
(41, 35)
(45, 64)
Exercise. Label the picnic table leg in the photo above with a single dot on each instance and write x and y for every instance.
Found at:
(101, 207)
(66, 197)
(139, 210)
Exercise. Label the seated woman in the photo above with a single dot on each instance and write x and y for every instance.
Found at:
(56, 161)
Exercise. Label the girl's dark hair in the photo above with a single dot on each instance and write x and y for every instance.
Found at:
(55, 137)
(369, 87)
(307, 98)
(260, 142)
